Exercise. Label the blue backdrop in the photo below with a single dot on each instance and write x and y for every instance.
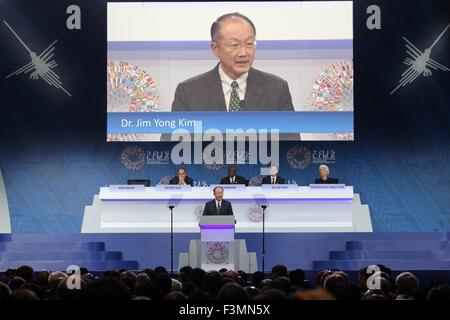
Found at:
(54, 155)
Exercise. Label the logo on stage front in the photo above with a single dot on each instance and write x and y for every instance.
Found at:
(40, 66)
(217, 252)
(420, 62)
(133, 158)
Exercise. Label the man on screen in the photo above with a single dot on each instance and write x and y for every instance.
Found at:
(233, 178)
(274, 178)
(218, 206)
(181, 178)
(233, 85)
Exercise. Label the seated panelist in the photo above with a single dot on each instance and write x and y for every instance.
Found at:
(233, 178)
(324, 176)
(274, 178)
(181, 178)
(218, 206)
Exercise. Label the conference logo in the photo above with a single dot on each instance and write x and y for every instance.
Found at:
(133, 158)
(40, 65)
(239, 156)
(419, 62)
(324, 156)
(217, 252)
(209, 161)
(299, 157)
(158, 157)
(255, 213)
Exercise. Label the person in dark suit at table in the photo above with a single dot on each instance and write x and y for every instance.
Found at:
(324, 176)
(181, 178)
(233, 178)
(233, 84)
(218, 206)
(274, 178)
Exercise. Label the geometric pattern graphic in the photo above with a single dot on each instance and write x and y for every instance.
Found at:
(255, 213)
(419, 62)
(333, 88)
(217, 252)
(133, 158)
(40, 65)
(299, 157)
(129, 89)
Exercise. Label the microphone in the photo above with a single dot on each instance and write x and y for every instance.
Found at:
(171, 207)
(264, 206)
(242, 104)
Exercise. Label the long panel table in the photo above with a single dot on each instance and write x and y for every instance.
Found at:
(289, 209)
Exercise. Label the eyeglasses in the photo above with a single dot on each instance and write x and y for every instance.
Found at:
(236, 46)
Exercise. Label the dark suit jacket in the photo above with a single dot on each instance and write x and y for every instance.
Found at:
(237, 180)
(264, 92)
(188, 181)
(211, 209)
(328, 181)
(268, 180)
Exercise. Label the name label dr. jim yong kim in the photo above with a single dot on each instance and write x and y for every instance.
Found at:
(159, 123)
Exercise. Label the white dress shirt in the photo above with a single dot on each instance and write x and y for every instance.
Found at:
(226, 86)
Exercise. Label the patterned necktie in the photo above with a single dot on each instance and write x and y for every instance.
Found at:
(218, 207)
(235, 101)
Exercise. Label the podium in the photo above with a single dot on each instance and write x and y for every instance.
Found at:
(217, 248)
(217, 242)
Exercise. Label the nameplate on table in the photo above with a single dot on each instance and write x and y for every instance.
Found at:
(232, 187)
(172, 187)
(127, 188)
(325, 186)
(279, 187)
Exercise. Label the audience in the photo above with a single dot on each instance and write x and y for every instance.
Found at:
(5, 291)
(406, 285)
(198, 285)
(232, 291)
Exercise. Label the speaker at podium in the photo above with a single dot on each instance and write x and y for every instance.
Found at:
(217, 248)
